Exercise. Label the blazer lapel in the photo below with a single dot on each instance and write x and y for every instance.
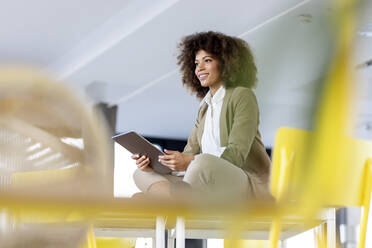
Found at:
(223, 118)
(201, 122)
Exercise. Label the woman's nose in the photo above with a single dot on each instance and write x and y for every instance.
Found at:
(200, 67)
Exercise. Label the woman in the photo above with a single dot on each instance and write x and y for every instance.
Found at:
(224, 153)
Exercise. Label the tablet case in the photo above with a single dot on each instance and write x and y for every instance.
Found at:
(136, 144)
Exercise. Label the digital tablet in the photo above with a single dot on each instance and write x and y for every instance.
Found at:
(137, 144)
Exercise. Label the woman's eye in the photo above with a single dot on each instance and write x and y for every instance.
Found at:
(208, 60)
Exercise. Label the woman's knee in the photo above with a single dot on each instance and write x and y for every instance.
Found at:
(200, 169)
(203, 162)
(138, 178)
(144, 180)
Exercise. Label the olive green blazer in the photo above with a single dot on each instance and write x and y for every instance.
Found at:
(238, 132)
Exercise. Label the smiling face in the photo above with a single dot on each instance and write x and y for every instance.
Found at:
(207, 69)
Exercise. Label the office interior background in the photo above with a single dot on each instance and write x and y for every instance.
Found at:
(123, 53)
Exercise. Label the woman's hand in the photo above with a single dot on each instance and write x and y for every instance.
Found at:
(175, 160)
(142, 162)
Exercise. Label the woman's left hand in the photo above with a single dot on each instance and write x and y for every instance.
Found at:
(176, 160)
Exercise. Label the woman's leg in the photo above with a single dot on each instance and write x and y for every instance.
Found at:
(217, 177)
(154, 183)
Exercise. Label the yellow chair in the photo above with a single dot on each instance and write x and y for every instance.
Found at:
(350, 187)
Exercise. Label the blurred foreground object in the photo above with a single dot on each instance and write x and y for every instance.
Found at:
(44, 236)
(115, 243)
(45, 127)
(54, 147)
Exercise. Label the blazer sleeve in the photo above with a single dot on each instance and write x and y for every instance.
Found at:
(192, 146)
(243, 129)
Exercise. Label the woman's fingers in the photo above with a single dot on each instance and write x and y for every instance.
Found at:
(146, 167)
(141, 159)
(143, 162)
(168, 162)
(170, 166)
(135, 156)
(167, 157)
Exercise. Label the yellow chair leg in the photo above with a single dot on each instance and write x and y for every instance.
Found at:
(90, 239)
(366, 204)
(274, 233)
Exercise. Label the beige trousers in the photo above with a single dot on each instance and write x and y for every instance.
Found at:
(207, 174)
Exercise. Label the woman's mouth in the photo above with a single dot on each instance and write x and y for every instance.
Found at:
(203, 76)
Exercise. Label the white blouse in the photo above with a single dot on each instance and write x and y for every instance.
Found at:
(210, 142)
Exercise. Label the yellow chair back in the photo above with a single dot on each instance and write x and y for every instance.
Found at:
(290, 165)
(347, 183)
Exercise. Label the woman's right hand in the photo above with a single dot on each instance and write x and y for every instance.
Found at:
(142, 162)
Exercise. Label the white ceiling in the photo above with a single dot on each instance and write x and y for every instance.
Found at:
(130, 47)
(39, 32)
